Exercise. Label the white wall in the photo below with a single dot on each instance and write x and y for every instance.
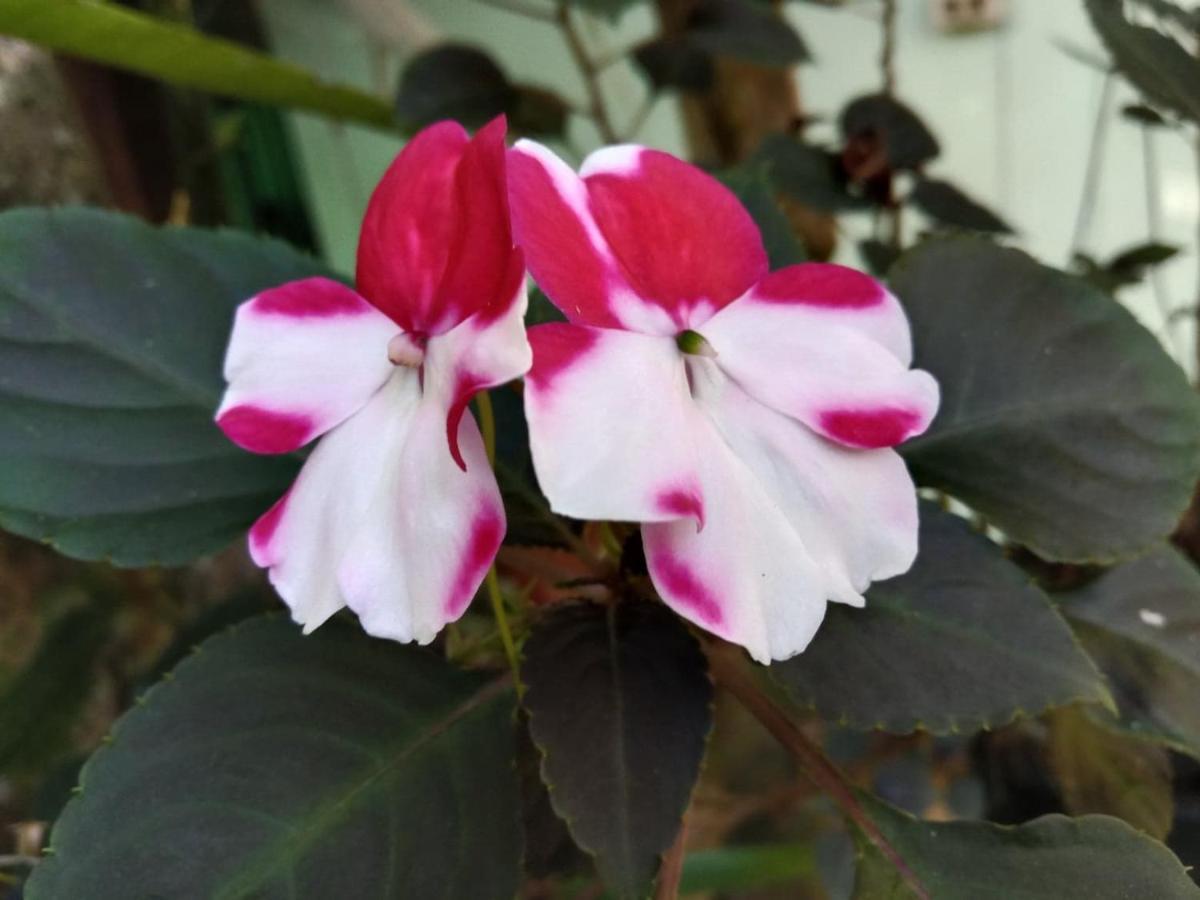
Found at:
(1014, 113)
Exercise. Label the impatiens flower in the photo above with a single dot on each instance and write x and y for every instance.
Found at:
(396, 513)
(744, 417)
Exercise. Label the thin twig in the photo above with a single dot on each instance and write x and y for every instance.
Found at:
(671, 871)
(1198, 260)
(731, 672)
(639, 118)
(887, 55)
(1091, 177)
(520, 8)
(588, 70)
(1154, 224)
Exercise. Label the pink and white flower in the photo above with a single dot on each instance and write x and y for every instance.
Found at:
(396, 513)
(745, 417)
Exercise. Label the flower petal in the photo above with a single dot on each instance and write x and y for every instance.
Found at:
(409, 225)
(824, 369)
(429, 536)
(793, 521)
(302, 358)
(684, 241)
(436, 244)
(609, 425)
(303, 537)
(567, 255)
(817, 293)
(485, 350)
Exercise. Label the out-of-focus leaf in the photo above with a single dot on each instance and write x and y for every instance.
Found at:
(907, 140)
(1144, 115)
(1101, 771)
(112, 335)
(879, 255)
(744, 30)
(622, 773)
(112, 34)
(537, 111)
(961, 642)
(1051, 858)
(806, 173)
(277, 765)
(1157, 64)
(1062, 419)
(745, 868)
(612, 9)
(453, 81)
(1125, 268)
(947, 204)
(750, 184)
(1140, 622)
(40, 706)
(675, 62)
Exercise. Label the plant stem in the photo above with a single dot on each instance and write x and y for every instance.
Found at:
(588, 69)
(1091, 178)
(730, 671)
(1154, 225)
(520, 8)
(671, 871)
(487, 428)
(887, 55)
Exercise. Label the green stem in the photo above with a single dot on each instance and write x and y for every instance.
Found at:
(487, 425)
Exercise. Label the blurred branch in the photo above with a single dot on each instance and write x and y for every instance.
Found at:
(589, 70)
(671, 871)
(887, 56)
(1091, 178)
(521, 8)
(731, 672)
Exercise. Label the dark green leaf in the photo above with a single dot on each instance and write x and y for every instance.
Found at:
(1143, 115)
(40, 707)
(273, 765)
(621, 775)
(1157, 64)
(1062, 419)
(112, 335)
(1102, 771)
(755, 191)
(674, 62)
(947, 204)
(1141, 624)
(1134, 261)
(907, 141)
(962, 641)
(539, 112)
(1051, 858)
(744, 30)
(744, 868)
(453, 81)
(112, 34)
(806, 173)
(879, 255)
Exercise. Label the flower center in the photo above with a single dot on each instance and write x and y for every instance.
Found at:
(407, 350)
(693, 343)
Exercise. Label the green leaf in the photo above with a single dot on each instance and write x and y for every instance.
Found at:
(960, 642)
(276, 765)
(112, 335)
(907, 140)
(537, 111)
(878, 255)
(1139, 623)
(1144, 115)
(1050, 858)
(452, 81)
(746, 31)
(619, 704)
(1157, 65)
(111, 34)
(1101, 771)
(1062, 419)
(810, 174)
(745, 868)
(675, 62)
(612, 9)
(752, 187)
(947, 204)
(40, 706)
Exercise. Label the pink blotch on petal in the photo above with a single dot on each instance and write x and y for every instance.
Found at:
(870, 429)
(487, 531)
(685, 503)
(685, 588)
(556, 347)
(263, 531)
(310, 298)
(262, 430)
(466, 386)
(821, 284)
